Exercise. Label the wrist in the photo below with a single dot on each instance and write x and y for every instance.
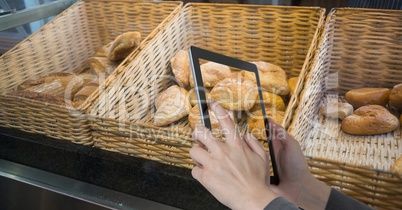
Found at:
(315, 194)
(260, 200)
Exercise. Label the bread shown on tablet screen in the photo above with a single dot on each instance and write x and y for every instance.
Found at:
(235, 93)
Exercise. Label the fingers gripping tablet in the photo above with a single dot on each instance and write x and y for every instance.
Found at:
(195, 54)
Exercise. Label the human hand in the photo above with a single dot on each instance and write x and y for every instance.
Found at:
(297, 184)
(234, 172)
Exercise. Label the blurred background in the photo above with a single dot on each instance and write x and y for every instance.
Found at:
(20, 18)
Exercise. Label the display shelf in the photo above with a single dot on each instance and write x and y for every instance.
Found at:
(138, 177)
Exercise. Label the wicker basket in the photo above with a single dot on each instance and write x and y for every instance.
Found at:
(122, 120)
(65, 44)
(360, 48)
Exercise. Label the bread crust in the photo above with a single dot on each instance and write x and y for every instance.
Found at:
(255, 121)
(212, 73)
(235, 93)
(123, 45)
(395, 97)
(171, 105)
(272, 77)
(370, 120)
(271, 101)
(181, 68)
(367, 96)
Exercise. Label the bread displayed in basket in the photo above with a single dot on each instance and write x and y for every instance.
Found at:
(335, 109)
(395, 97)
(85, 92)
(102, 65)
(59, 85)
(367, 96)
(271, 101)
(123, 45)
(272, 78)
(171, 105)
(292, 82)
(255, 121)
(181, 67)
(63, 87)
(397, 166)
(370, 120)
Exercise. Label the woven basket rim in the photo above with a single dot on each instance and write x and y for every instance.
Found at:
(251, 5)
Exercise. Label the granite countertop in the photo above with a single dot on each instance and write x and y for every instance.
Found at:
(139, 177)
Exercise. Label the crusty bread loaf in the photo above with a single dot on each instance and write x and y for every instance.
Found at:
(194, 118)
(397, 166)
(335, 109)
(85, 92)
(171, 105)
(60, 84)
(395, 97)
(400, 120)
(272, 78)
(255, 121)
(292, 82)
(102, 66)
(101, 52)
(181, 67)
(212, 73)
(123, 45)
(367, 96)
(235, 93)
(271, 101)
(370, 120)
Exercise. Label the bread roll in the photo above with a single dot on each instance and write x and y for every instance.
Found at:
(400, 120)
(255, 121)
(192, 96)
(194, 118)
(370, 120)
(171, 105)
(85, 92)
(271, 101)
(367, 96)
(180, 64)
(334, 109)
(292, 82)
(235, 93)
(60, 84)
(397, 166)
(101, 52)
(272, 78)
(123, 45)
(102, 66)
(212, 73)
(395, 97)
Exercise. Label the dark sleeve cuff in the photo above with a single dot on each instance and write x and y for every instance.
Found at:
(338, 200)
(281, 203)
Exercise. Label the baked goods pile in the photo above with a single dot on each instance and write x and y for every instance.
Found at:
(73, 88)
(236, 90)
(372, 114)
